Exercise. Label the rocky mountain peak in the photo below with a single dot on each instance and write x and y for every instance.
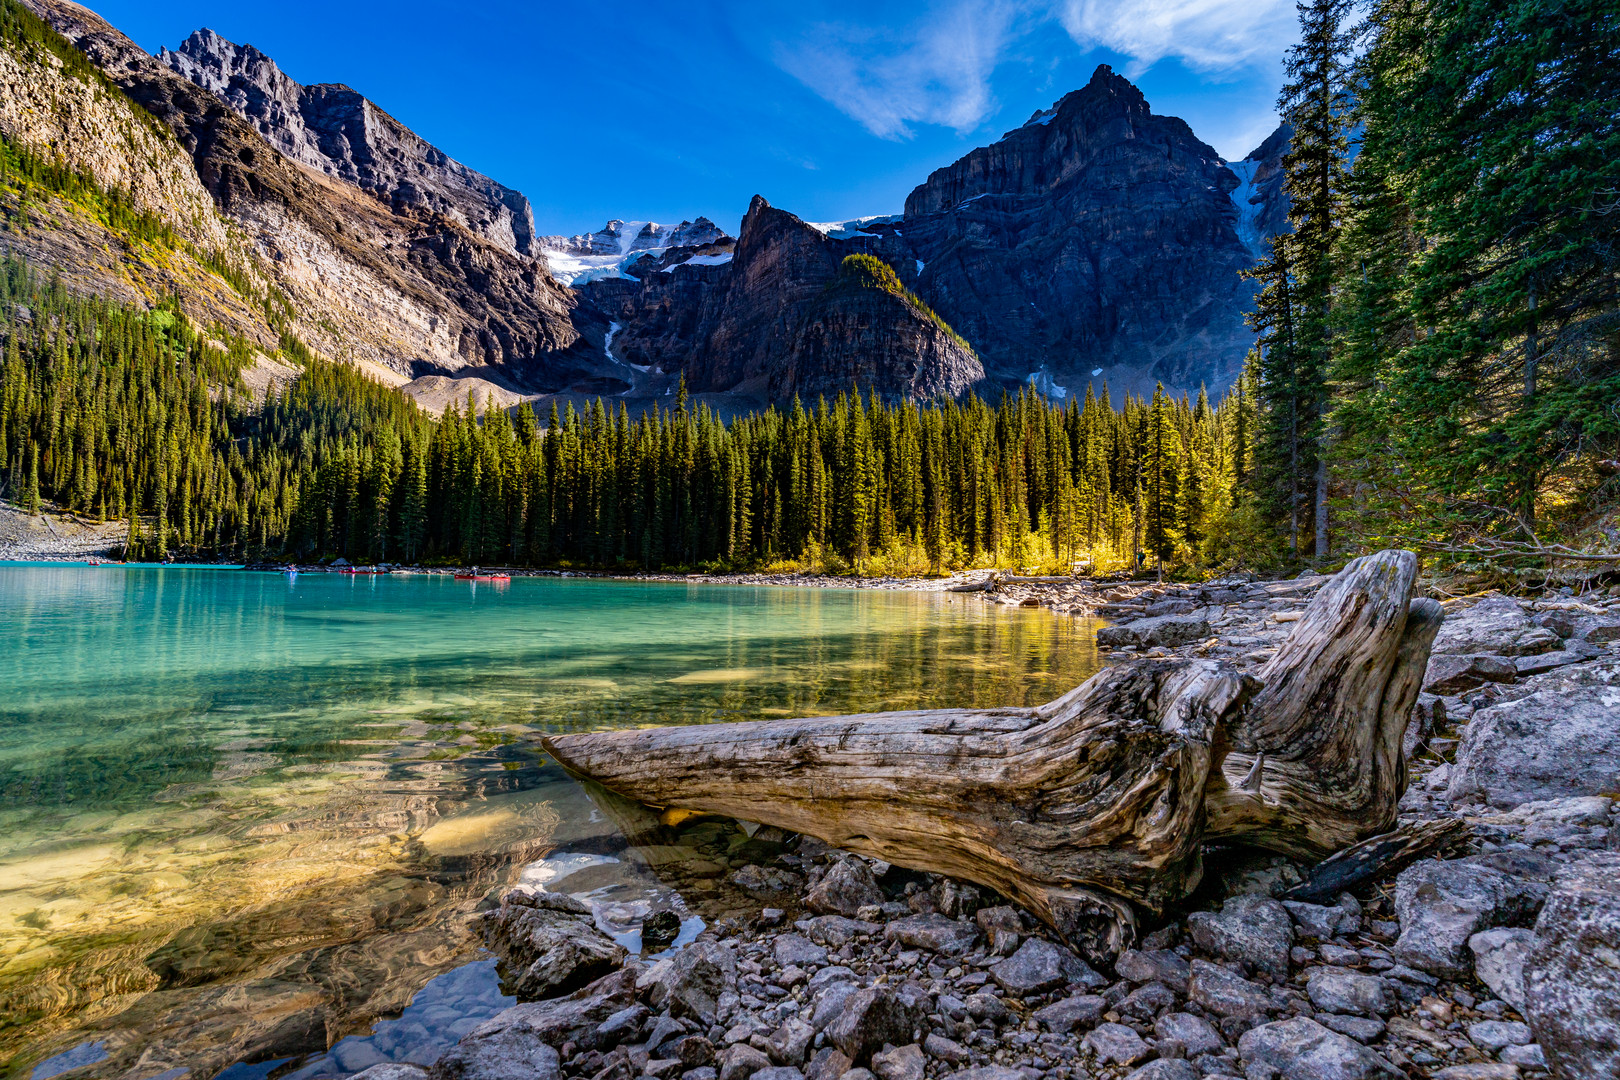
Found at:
(336, 130)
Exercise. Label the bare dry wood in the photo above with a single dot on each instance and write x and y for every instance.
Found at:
(1095, 804)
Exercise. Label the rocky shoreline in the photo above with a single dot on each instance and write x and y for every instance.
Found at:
(1501, 960)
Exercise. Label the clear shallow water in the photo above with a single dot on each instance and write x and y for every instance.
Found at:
(241, 816)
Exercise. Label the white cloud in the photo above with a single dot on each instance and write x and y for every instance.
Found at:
(935, 73)
(1208, 35)
(938, 70)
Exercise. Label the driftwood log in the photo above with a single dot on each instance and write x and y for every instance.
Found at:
(1099, 803)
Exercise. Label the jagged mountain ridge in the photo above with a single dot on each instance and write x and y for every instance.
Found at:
(1099, 241)
(400, 288)
(340, 132)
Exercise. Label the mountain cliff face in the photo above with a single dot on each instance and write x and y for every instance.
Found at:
(1097, 237)
(776, 320)
(400, 286)
(337, 131)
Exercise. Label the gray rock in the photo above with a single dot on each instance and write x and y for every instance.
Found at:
(1478, 1070)
(741, 1061)
(901, 1063)
(1165, 1069)
(623, 1026)
(987, 1007)
(1071, 1013)
(1196, 1035)
(690, 982)
(1115, 1043)
(779, 1072)
(1493, 1035)
(1530, 1057)
(1360, 1028)
(936, 933)
(1499, 962)
(1254, 930)
(1558, 742)
(1496, 624)
(795, 949)
(1153, 965)
(1039, 966)
(828, 1064)
(547, 945)
(1225, 994)
(873, 1017)
(1166, 630)
(1536, 665)
(766, 883)
(829, 1003)
(1338, 991)
(1302, 1049)
(664, 1029)
(552, 1022)
(790, 1043)
(512, 1054)
(1322, 922)
(848, 887)
(1596, 629)
(835, 931)
(956, 899)
(947, 1050)
(1147, 1001)
(1572, 974)
(987, 1072)
(1441, 904)
(392, 1070)
(1455, 674)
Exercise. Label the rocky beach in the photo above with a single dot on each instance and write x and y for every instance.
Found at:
(1496, 960)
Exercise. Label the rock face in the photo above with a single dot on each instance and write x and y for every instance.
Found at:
(1572, 974)
(1098, 235)
(1560, 741)
(783, 317)
(547, 945)
(391, 275)
(334, 129)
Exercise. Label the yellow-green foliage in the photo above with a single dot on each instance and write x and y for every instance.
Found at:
(871, 272)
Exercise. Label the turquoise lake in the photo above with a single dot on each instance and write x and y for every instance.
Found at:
(245, 818)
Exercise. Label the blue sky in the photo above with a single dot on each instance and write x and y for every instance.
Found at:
(644, 110)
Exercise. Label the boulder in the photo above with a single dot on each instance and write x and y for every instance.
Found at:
(1166, 630)
(741, 1061)
(1302, 1049)
(1255, 930)
(836, 931)
(871, 1018)
(1070, 1013)
(1039, 966)
(1165, 1069)
(512, 1034)
(1496, 624)
(1494, 1035)
(1558, 742)
(1324, 923)
(691, 982)
(848, 886)
(901, 1063)
(946, 1050)
(1225, 994)
(1115, 1044)
(1596, 629)
(1153, 965)
(766, 882)
(1336, 990)
(1499, 962)
(1196, 1035)
(1441, 904)
(512, 1054)
(790, 1043)
(796, 949)
(936, 933)
(392, 1070)
(1454, 674)
(547, 945)
(1572, 973)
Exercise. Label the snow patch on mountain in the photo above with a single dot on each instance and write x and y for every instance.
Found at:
(611, 251)
(702, 260)
(849, 230)
(1246, 199)
(1042, 382)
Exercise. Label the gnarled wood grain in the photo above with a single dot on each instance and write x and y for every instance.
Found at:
(1097, 803)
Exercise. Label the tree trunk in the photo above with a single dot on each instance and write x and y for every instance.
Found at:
(1097, 803)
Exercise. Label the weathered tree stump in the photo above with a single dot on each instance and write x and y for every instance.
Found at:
(1097, 803)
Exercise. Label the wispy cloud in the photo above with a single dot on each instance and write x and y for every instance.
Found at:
(1208, 35)
(939, 70)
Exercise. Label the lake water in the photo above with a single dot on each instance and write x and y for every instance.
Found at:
(245, 818)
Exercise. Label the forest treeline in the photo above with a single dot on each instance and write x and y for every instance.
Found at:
(132, 415)
(1438, 364)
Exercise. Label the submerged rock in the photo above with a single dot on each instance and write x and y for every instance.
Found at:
(547, 945)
